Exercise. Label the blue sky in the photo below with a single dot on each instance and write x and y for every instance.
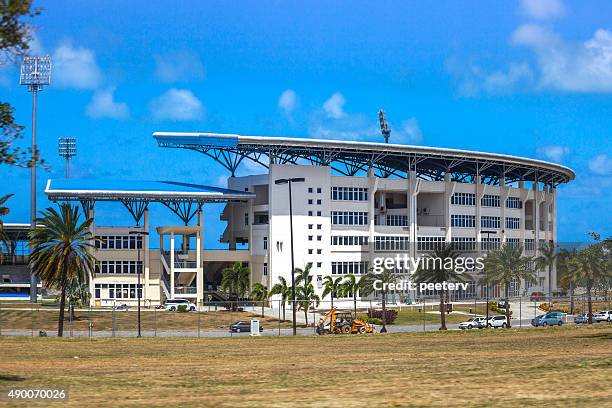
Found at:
(530, 78)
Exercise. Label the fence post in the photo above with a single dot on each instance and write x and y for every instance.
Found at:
(90, 322)
(113, 321)
(70, 312)
(314, 330)
(279, 317)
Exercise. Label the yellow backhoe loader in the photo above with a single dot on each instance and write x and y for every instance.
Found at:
(342, 322)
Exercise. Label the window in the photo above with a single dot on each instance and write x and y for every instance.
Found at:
(265, 243)
(349, 240)
(318, 190)
(319, 201)
(344, 268)
(463, 221)
(514, 202)
(310, 237)
(489, 200)
(530, 244)
(490, 244)
(119, 267)
(309, 226)
(319, 264)
(349, 194)
(310, 189)
(463, 199)
(429, 243)
(319, 226)
(310, 252)
(318, 213)
(464, 243)
(310, 213)
(487, 221)
(119, 242)
(310, 201)
(396, 220)
(246, 218)
(265, 269)
(319, 251)
(391, 243)
(349, 217)
(513, 223)
(513, 242)
(117, 290)
(319, 237)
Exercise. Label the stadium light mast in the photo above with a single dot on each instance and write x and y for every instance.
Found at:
(35, 74)
(66, 148)
(384, 126)
(293, 299)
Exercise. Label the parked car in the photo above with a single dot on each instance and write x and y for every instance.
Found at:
(560, 315)
(605, 316)
(172, 305)
(536, 296)
(497, 321)
(582, 319)
(546, 320)
(243, 327)
(473, 322)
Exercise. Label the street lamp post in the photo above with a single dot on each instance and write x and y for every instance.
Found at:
(290, 181)
(139, 234)
(487, 283)
(35, 73)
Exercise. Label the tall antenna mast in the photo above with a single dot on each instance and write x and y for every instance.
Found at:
(384, 126)
(67, 149)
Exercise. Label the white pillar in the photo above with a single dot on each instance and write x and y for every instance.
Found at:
(199, 268)
(92, 284)
(171, 265)
(146, 261)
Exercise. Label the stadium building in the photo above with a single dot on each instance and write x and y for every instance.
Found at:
(357, 201)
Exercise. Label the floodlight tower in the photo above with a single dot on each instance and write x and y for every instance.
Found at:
(384, 126)
(67, 149)
(35, 73)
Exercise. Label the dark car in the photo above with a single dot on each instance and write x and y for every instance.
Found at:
(501, 303)
(243, 327)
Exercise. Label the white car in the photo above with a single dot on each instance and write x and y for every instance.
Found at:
(497, 321)
(172, 305)
(473, 322)
(605, 316)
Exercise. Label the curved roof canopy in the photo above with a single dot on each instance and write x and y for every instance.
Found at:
(350, 157)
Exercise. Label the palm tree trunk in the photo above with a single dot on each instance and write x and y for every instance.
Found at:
(262, 309)
(306, 315)
(507, 304)
(442, 311)
(384, 312)
(60, 323)
(571, 298)
(284, 311)
(332, 300)
(589, 302)
(355, 303)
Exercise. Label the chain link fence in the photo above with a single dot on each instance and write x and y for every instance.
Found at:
(224, 319)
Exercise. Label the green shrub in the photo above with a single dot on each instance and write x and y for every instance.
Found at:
(182, 309)
(374, 320)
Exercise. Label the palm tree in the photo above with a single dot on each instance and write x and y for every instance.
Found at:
(3, 212)
(385, 277)
(283, 290)
(331, 287)
(569, 270)
(594, 267)
(305, 291)
(547, 259)
(62, 251)
(505, 265)
(436, 269)
(260, 293)
(235, 281)
(354, 286)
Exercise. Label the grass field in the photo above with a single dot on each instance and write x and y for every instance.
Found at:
(565, 366)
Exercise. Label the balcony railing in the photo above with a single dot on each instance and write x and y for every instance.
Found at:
(185, 290)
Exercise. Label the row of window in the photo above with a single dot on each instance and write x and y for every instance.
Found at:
(345, 268)
(469, 221)
(396, 220)
(119, 267)
(349, 194)
(119, 242)
(391, 243)
(349, 240)
(349, 217)
(488, 200)
(117, 291)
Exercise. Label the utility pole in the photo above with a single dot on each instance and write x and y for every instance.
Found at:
(384, 126)
(35, 73)
(66, 147)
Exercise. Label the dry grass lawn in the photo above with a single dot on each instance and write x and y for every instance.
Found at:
(568, 366)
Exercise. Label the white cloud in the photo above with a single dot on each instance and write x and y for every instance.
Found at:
(176, 105)
(601, 164)
(543, 9)
(553, 153)
(334, 106)
(75, 67)
(103, 105)
(501, 81)
(572, 67)
(408, 133)
(179, 66)
(35, 45)
(287, 101)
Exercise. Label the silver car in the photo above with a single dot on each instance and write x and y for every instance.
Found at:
(474, 322)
